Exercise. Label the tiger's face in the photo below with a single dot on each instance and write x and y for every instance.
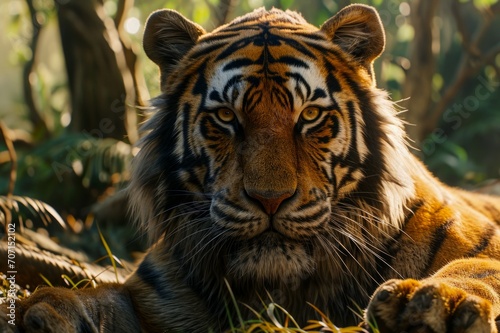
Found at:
(276, 139)
(272, 125)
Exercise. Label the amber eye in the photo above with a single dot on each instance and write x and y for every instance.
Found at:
(225, 115)
(310, 114)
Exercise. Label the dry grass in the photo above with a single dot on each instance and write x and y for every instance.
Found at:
(276, 319)
(271, 322)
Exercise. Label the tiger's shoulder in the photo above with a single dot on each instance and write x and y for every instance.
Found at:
(445, 223)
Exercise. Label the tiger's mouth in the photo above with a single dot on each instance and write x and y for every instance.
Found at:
(271, 247)
(272, 256)
(273, 238)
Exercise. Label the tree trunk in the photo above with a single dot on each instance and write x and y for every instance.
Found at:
(100, 83)
(418, 84)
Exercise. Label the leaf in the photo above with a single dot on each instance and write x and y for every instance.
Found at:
(110, 254)
(36, 209)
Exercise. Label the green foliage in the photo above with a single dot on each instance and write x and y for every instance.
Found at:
(484, 3)
(458, 157)
(71, 170)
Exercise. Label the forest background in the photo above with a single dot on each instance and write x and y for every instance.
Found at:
(74, 84)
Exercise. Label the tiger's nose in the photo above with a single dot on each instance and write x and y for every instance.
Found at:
(270, 200)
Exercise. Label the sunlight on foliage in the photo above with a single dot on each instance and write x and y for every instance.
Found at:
(20, 208)
(484, 3)
(405, 33)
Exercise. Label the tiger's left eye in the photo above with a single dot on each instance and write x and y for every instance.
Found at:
(310, 114)
(226, 115)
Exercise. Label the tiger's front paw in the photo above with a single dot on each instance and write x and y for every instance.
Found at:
(48, 310)
(429, 306)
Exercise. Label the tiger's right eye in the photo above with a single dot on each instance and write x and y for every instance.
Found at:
(225, 115)
(310, 114)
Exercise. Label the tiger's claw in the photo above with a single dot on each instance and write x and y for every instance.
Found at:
(428, 306)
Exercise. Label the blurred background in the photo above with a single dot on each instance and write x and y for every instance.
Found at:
(74, 81)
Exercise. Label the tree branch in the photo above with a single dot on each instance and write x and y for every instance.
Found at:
(471, 63)
(122, 9)
(462, 30)
(4, 131)
(222, 11)
(418, 83)
(140, 90)
(39, 124)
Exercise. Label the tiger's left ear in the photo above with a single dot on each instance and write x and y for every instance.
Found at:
(168, 36)
(357, 29)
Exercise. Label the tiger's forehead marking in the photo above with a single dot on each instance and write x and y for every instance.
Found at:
(266, 61)
(242, 87)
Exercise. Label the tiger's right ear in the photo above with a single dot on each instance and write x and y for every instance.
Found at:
(168, 36)
(357, 29)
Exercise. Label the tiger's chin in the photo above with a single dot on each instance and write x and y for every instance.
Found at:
(272, 257)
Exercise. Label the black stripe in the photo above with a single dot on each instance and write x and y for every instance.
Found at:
(485, 241)
(437, 240)
(237, 63)
(206, 50)
(321, 124)
(299, 79)
(352, 160)
(318, 93)
(148, 273)
(331, 81)
(186, 117)
(252, 94)
(219, 37)
(214, 96)
(308, 35)
(298, 46)
(494, 211)
(223, 215)
(262, 40)
(230, 83)
(309, 204)
(85, 326)
(374, 166)
(231, 204)
(283, 99)
(209, 128)
(308, 218)
(326, 51)
(485, 274)
(233, 47)
(200, 87)
(440, 208)
(393, 245)
(206, 167)
(292, 61)
(193, 179)
(235, 27)
(383, 261)
(318, 196)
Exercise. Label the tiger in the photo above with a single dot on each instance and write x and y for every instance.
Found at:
(274, 170)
